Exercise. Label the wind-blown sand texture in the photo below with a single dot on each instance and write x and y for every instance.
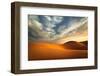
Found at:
(49, 51)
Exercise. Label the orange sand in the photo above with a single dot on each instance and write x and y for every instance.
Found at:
(47, 51)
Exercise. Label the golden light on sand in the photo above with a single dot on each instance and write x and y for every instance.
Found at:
(45, 51)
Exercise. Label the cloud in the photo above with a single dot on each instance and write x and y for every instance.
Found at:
(73, 27)
(50, 21)
(57, 19)
(77, 32)
(47, 21)
(55, 29)
(37, 31)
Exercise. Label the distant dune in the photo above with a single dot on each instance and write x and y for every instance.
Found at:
(76, 45)
(48, 51)
(85, 43)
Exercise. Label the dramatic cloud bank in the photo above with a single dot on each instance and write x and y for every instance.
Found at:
(57, 29)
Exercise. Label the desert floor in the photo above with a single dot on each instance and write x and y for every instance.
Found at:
(48, 51)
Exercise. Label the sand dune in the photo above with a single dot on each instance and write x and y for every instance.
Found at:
(47, 51)
(85, 43)
(76, 45)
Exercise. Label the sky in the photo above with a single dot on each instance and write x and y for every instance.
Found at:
(57, 29)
